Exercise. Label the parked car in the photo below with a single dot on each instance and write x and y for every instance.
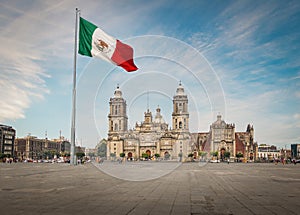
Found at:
(296, 161)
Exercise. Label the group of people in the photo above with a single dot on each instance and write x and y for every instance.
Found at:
(8, 160)
(283, 161)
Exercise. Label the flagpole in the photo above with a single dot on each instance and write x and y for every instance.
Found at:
(72, 153)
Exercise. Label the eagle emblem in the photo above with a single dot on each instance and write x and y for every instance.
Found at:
(102, 46)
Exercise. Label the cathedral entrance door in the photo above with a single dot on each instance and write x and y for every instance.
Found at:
(166, 155)
(251, 156)
(129, 155)
(148, 152)
(222, 154)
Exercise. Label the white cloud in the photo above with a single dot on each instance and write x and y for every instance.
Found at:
(297, 116)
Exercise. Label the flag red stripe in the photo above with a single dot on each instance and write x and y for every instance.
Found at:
(123, 56)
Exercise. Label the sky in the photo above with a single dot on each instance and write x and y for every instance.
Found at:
(239, 59)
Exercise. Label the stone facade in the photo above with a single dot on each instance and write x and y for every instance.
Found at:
(223, 140)
(33, 148)
(153, 136)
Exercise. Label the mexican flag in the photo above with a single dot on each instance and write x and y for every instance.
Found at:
(95, 42)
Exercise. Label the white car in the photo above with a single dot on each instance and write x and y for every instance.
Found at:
(214, 161)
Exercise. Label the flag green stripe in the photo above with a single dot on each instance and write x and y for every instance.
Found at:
(86, 30)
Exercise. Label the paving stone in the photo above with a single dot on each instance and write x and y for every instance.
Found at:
(189, 189)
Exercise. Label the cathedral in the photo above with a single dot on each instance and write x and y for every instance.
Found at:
(153, 137)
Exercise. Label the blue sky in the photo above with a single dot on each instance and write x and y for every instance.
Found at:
(236, 58)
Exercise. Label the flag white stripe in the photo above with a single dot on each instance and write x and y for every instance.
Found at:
(102, 51)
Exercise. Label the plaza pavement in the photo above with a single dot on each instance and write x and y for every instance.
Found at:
(215, 188)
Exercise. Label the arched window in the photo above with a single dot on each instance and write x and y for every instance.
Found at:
(180, 124)
(116, 127)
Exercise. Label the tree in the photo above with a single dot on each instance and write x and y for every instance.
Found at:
(80, 155)
(190, 155)
(91, 154)
(202, 154)
(47, 154)
(157, 155)
(66, 154)
(145, 155)
(239, 155)
(102, 149)
(122, 154)
(2, 155)
(215, 154)
(227, 154)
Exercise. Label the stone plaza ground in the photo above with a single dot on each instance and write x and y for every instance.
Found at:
(214, 188)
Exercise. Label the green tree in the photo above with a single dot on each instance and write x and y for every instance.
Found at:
(145, 155)
(47, 154)
(66, 154)
(122, 154)
(2, 155)
(215, 154)
(227, 154)
(102, 149)
(202, 154)
(91, 154)
(80, 155)
(157, 155)
(239, 155)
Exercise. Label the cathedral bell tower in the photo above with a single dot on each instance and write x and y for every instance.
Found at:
(117, 117)
(180, 115)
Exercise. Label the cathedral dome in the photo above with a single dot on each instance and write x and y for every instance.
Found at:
(118, 93)
(158, 117)
(180, 89)
(219, 121)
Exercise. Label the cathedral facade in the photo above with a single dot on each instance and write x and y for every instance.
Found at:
(153, 137)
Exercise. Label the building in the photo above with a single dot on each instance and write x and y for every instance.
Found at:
(268, 153)
(223, 142)
(7, 140)
(90, 152)
(33, 148)
(295, 150)
(64, 145)
(154, 137)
